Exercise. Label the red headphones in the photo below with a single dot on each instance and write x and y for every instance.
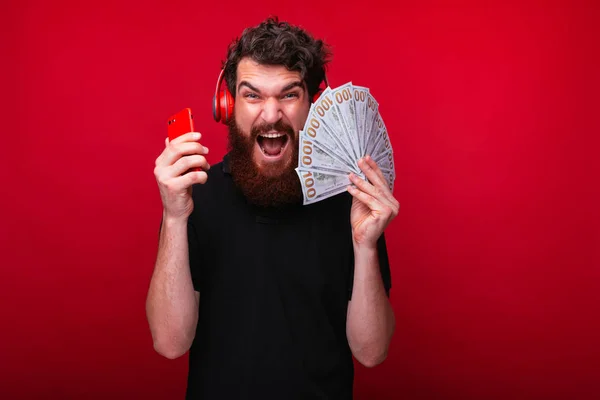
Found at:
(223, 100)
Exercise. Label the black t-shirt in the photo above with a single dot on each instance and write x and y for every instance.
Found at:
(274, 288)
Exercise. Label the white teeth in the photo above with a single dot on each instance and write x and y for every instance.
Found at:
(272, 135)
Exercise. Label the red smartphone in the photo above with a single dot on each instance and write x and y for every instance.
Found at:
(179, 124)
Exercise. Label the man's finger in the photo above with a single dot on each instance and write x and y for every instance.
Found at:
(375, 166)
(366, 198)
(374, 191)
(363, 185)
(187, 137)
(375, 175)
(175, 151)
(369, 171)
(180, 183)
(194, 177)
(380, 210)
(188, 162)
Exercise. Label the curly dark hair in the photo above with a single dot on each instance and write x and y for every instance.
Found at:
(279, 43)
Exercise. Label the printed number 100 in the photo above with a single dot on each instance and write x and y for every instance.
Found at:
(309, 182)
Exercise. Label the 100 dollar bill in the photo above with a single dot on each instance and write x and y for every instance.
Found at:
(316, 156)
(317, 186)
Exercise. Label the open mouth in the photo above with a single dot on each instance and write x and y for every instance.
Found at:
(272, 145)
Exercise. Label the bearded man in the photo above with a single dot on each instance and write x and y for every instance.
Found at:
(271, 298)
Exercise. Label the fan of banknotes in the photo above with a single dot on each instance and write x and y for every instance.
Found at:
(343, 125)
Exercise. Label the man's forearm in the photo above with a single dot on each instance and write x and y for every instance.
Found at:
(371, 319)
(172, 305)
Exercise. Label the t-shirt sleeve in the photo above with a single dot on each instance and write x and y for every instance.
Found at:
(384, 268)
(194, 254)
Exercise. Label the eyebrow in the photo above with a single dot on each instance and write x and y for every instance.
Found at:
(246, 83)
(286, 88)
(293, 85)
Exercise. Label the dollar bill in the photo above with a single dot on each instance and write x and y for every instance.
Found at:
(383, 144)
(360, 96)
(342, 126)
(390, 177)
(319, 132)
(378, 139)
(325, 111)
(344, 104)
(313, 156)
(370, 114)
(385, 160)
(317, 186)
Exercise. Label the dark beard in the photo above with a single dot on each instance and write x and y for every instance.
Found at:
(275, 187)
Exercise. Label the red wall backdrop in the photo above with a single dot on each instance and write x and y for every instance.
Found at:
(493, 114)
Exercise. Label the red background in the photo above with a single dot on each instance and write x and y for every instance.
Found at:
(493, 115)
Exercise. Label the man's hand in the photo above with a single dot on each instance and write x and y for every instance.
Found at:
(175, 184)
(373, 207)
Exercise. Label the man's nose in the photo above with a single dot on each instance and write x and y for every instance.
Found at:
(271, 112)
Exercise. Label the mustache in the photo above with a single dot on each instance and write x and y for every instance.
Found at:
(279, 126)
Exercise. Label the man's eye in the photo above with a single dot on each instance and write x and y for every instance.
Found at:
(251, 96)
(290, 95)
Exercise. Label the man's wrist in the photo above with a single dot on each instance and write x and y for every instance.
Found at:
(365, 251)
(173, 221)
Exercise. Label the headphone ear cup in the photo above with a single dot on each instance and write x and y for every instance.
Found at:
(223, 106)
(226, 106)
(216, 108)
(222, 101)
